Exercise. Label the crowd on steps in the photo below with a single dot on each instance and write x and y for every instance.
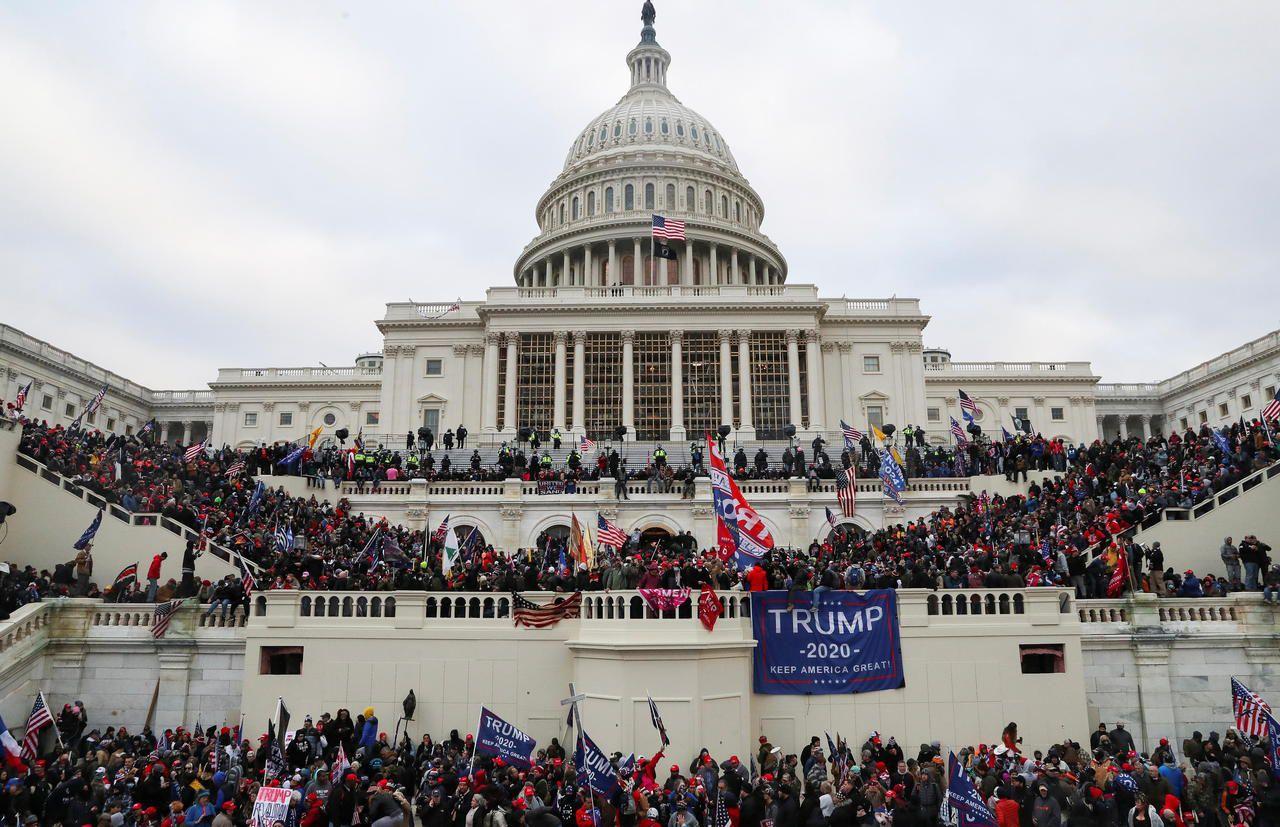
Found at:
(1073, 529)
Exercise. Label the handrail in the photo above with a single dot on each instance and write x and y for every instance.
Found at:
(1219, 498)
(133, 518)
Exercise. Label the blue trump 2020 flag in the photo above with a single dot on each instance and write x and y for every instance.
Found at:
(848, 642)
(594, 769)
(964, 799)
(502, 740)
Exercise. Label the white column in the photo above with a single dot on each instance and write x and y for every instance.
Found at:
(509, 422)
(637, 263)
(726, 379)
(735, 277)
(746, 429)
(688, 259)
(489, 388)
(793, 377)
(588, 277)
(677, 385)
(164, 431)
(558, 393)
(813, 360)
(1124, 426)
(579, 377)
(1146, 427)
(566, 278)
(1101, 433)
(713, 274)
(751, 270)
(613, 264)
(186, 432)
(628, 382)
(551, 272)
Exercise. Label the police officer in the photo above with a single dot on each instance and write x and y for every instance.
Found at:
(660, 456)
(555, 439)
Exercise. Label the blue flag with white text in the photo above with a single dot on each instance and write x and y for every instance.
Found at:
(964, 799)
(594, 769)
(500, 739)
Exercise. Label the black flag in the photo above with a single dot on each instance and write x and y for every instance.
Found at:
(661, 250)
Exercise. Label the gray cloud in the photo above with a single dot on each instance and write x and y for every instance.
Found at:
(184, 188)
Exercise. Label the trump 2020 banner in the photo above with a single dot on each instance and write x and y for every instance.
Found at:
(498, 738)
(851, 643)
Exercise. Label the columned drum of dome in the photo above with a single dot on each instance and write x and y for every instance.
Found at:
(647, 154)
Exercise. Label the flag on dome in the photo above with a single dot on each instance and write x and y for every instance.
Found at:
(668, 228)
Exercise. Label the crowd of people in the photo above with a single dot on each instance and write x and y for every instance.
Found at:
(1070, 530)
(339, 771)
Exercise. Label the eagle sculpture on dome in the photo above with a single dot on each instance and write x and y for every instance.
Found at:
(647, 13)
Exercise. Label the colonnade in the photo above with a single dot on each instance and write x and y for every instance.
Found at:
(731, 342)
(599, 265)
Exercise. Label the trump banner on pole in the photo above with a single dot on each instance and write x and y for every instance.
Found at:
(849, 643)
(500, 739)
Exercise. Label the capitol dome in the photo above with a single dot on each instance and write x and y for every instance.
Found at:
(649, 155)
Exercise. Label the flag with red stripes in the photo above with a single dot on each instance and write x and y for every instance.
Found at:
(609, 533)
(528, 613)
(1272, 411)
(164, 616)
(847, 491)
(1250, 710)
(39, 719)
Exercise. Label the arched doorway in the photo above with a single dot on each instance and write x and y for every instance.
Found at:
(469, 538)
(658, 533)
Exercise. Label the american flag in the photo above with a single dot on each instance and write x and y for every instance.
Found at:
(586, 446)
(530, 614)
(438, 535)
(968, 408)
(39, 719)
(1250, 710)
(832, 519)
(668, 228)
(96, 400)
(236, 467)
(246, 578)
(720, 816)
(193, 452)
(1272, 411)
(847, 490)
(852, 436)
(21, 398)
(958, 433)
(609, 533)
(164, 615)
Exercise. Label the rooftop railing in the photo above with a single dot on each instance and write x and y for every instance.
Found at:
(309, 374)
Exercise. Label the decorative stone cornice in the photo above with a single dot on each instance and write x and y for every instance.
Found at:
(1003, 400)
(304, 406)
(460, 351)
(845, 347)
(701, 511)
(354, 404)
(793, 337)
(1037, 400)
(950, 400)
(62, 394)
(579, 336)
(801, 511)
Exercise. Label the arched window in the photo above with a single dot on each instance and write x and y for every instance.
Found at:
(574, 211)
(604, 133)
(648, 126)
(737, 211)
(629, 198)
(671, 197)
(591, 204)
(679, 129)
(628, 265)
(724, 206)
(591, 139)
(648, 196)
(608, 199)
(707, 202)
(693, 132)
(663, 127)
(631, 127)
(561, 212)
(690, 200)
(617, 130)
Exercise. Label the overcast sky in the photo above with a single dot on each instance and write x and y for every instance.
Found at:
(188, 186)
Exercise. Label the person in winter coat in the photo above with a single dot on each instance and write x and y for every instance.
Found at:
(1045, 811)
(369, 735)
(1143, 814)
(1007, 809)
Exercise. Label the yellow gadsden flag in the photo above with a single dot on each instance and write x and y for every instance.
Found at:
(580, 547)
(879, 434)
(311, 440)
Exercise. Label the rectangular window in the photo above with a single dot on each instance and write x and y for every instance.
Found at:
(46, 402)
(700, 359)
(770, 385)
(371, 417)
(280, 660)
(111, 424)
(1183, 426)
(250, 420)
(875, 415)
(1057, 414)
(870, 364)
(93, 418)
(435, 367)
(1204, 416)
(602, 391)
(128, 430)
(1246, 402)
(934, 414)
(1021, 413)
(1042, 658)
(1270, 394)
(431, 419)
(70, 409)
(652, 355)
(1222, 409)
(286, 419)
(535, 381)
